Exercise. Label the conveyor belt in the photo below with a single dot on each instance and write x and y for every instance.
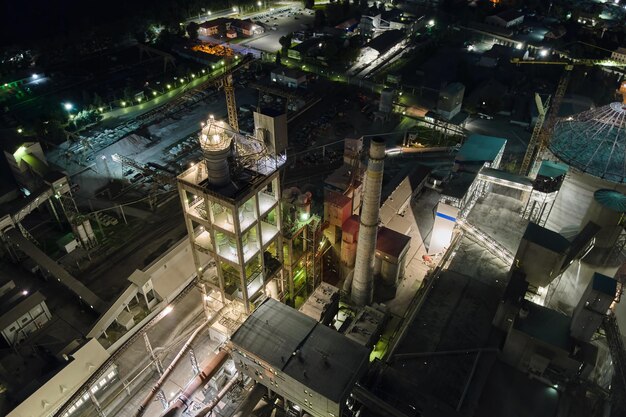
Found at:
(44, 261)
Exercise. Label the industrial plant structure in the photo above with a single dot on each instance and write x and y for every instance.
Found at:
(236, 218)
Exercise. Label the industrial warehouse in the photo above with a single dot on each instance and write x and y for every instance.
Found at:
(283, 239)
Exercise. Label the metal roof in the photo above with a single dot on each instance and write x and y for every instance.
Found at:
(480, 148)
(612, 199)
(314, 355)
(546, 238)
(551, 169)
(604, 284)
(594, 142)
(546, 325)
(273, 332)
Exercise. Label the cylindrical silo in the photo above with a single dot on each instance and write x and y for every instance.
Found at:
(82, 234)
(89, 230)
(215, 143)
(606, 210)
(363, 281)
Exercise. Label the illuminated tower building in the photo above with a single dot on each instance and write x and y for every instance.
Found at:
(231, 207)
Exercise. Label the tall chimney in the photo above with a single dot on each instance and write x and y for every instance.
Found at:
(363, 280)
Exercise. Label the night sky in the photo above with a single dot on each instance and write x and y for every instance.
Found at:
(26, 21)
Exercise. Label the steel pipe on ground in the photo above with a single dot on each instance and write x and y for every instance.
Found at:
(209, 368)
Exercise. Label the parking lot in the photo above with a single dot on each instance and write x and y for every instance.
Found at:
(284, 22)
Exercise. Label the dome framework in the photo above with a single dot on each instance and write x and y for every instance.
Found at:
(594, 142)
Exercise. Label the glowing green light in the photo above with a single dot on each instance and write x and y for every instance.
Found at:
(20, 152)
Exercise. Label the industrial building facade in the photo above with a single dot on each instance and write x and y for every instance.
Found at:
(294, 356)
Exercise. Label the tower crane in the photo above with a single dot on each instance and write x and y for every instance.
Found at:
(548, 115)
(226, 81)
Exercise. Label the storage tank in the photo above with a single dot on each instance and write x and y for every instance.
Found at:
(89, 230)
(592, 144)
(82, 234)
(606, 210)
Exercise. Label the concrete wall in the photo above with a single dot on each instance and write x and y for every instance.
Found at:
(282, 384)
(574, 199)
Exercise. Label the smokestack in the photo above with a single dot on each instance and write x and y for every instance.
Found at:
(363, 281)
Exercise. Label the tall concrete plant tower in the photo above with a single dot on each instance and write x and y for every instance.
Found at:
(363, 280)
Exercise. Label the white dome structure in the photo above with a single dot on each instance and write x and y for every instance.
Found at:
(593, 145)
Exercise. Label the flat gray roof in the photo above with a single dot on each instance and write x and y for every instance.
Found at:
(273, 332)
(309, 352)
(546, 238)
(546, 325)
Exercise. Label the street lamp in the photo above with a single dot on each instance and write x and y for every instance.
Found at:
(258, 3)
(68, 106)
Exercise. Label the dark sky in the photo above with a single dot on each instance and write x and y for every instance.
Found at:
(34, 19)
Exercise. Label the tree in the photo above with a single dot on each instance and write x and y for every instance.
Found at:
(285, 42)
(192, 30)
(363, 5)
(320, 19)
(309, 4)
(278, 58)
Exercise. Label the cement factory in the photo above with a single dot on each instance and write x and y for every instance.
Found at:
(404, 292)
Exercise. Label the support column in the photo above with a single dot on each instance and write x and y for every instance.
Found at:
(157, 361)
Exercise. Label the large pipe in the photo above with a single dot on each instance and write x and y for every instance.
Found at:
(166, 373)
(363, 281)
(205, 412)
(210, 368)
